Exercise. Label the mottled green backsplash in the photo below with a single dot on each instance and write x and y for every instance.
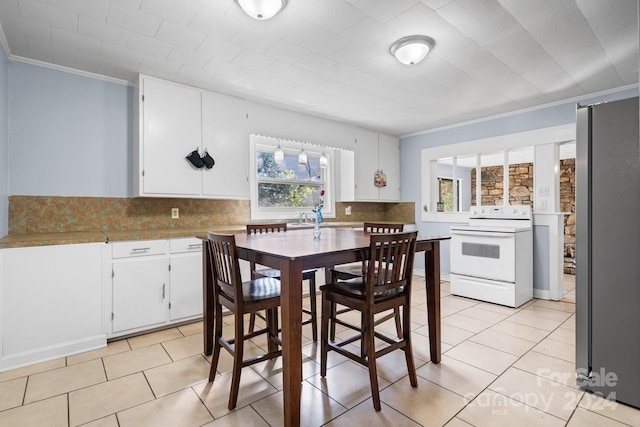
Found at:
(51, 214)
(370, 211)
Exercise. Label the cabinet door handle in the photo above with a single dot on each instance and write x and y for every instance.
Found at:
(140, 249)
(195, 246)
(163, 286)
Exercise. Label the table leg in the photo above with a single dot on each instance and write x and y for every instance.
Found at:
(432, 268)
(291, 306)
(207, 298)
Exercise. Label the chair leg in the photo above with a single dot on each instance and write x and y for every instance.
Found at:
(327, 310)
(272, 325)
(252, 322)
(217, 334)
(396, 312)
(314, 311)
(408, 350)
(369, 339)
(331, 278)
(363, 342)
(332, 335)
(238, 355)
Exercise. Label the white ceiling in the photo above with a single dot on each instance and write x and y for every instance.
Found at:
(331, 57)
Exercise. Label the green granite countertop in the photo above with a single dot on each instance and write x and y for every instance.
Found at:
(44, 239)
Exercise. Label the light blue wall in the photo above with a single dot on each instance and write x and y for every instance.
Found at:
(411, 154)
(411, 147)
(4, 144)
(70, 135)
(541, 267)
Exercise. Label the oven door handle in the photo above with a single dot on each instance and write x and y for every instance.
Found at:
(490, 234)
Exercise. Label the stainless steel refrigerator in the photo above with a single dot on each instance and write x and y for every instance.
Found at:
(608, 250)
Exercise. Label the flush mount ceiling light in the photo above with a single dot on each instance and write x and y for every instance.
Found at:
(262, 9)
(412, 49)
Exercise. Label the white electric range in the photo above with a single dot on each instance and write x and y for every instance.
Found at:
(492, 255)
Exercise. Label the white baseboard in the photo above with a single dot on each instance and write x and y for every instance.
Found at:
(422, 273)
(50, 353)
(541, 294)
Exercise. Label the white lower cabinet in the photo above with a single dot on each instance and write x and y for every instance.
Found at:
(185, 278)
(50, 302)
(140, 293)
(155, 283)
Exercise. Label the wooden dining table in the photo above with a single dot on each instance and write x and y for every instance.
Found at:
(297, 250)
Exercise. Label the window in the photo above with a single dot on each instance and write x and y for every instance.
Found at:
(494, 171)
(285, 189)
(288, 184)
(450, 170)
(446, 195)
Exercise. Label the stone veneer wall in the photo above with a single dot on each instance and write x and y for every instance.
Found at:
(49, 214)
(520, 185)
(568, 204)
(521, 193)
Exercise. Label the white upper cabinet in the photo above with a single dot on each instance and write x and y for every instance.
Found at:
(389, 164)
(366, 164)
(170, 128)
(225, 136)
(376, 152)
(172, 121)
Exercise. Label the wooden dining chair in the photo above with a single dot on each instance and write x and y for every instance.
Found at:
(240, 298)
(357, 270)
(310, 275)
(386, 286)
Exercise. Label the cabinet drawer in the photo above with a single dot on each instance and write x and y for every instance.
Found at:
(191, 244)
(139, 248)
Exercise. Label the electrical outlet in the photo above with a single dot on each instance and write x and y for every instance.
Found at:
(175, 213)
(347, 210)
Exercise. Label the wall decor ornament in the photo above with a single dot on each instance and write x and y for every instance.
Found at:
(379, 179)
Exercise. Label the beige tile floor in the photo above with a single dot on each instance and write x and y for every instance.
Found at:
(500, 367)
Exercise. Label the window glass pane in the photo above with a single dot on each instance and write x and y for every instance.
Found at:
(445, 185)
(277, 195)
(445, 195)
(521, 176)
(491, 179)
(466, 172)
(288, 169)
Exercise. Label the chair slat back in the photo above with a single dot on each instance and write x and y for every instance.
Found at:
(374, 227)
(226, 269)
(266, 228)
(274, 227)
(390, 262)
